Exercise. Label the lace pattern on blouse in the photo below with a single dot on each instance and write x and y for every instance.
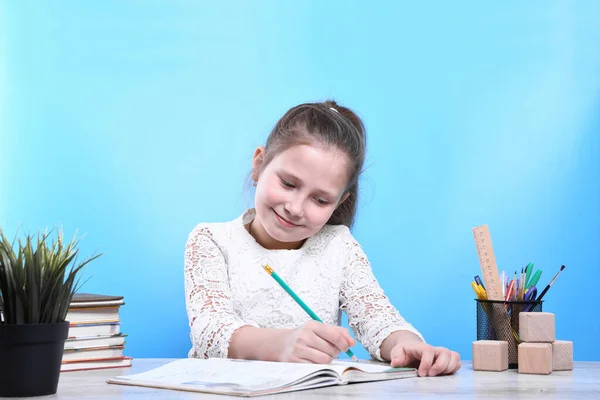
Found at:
(226, 287)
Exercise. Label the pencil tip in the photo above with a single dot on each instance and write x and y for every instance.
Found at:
(354, 358)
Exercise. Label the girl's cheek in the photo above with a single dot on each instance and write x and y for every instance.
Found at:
(273, 193)
(318, 215)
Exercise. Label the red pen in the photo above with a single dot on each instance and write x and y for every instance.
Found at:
(509, 291)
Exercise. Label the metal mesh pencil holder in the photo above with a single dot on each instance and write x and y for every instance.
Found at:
(499, 320)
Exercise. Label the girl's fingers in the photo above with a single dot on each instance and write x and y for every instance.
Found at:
(322, 345)
(334, 335)
(441, 363)
(426, 355)
(313, 355)
(455, 363)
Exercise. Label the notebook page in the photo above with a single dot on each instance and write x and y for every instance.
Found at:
(220, 374)
(367, 367)
(367, 372)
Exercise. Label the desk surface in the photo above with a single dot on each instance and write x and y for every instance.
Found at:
(581, 383)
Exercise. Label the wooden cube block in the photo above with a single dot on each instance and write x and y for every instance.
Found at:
(536, 327)
(562, 355)
(490, 355)
(535, 358)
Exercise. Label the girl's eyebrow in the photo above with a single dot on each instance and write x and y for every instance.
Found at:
(298, 180)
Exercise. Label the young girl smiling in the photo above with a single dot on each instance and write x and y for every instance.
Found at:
(306, 179)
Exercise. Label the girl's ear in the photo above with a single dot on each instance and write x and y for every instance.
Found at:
(257, 161)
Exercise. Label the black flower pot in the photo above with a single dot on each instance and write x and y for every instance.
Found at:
(30, 358)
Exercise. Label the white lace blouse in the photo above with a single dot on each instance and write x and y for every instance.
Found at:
(226, 286)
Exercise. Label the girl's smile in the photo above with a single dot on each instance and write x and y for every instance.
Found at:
(284, 221)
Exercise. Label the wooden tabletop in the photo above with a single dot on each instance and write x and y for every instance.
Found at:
(581, 383)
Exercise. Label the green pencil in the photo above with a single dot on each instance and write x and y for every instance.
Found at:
(299, 301)
(535, 278)
(528, 271)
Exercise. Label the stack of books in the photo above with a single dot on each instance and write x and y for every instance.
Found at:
(95, 339)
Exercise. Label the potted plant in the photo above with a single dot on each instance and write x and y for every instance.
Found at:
(37, 281)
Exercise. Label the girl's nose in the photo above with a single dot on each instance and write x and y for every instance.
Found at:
(294, 207)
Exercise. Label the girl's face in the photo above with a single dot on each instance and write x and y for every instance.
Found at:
(296, 193)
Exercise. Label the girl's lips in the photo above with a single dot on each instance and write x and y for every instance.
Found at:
(284, 221)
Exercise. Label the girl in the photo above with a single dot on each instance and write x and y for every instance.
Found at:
(306, 179)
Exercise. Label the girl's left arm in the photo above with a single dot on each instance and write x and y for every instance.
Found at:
(370, 314)
(379, 326)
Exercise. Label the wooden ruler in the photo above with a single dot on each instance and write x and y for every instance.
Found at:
(496, 312)
(487, 261)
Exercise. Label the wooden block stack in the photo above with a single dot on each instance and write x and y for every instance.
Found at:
(540, 352)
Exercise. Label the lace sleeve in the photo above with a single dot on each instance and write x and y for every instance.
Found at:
(208, 302)
(370, 314)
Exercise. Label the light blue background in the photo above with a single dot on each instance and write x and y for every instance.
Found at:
(132, 121)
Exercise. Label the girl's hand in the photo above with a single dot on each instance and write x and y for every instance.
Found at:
(431, 361)
(315, 342)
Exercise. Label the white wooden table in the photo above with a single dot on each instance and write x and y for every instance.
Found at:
(581, 383)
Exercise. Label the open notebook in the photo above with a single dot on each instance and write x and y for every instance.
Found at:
(257, 378)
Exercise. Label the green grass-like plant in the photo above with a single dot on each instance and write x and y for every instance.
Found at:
(38, 279)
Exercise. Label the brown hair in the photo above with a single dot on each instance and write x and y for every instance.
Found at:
(331, 125)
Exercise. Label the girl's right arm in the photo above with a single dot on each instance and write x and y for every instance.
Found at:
(313, 342)
(207, 294)
(216, 331)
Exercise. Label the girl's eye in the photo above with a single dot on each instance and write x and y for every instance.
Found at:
(287, 184)
(322, 202)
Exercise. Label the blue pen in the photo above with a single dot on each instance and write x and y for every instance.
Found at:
(529, 298)
(479, 282)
